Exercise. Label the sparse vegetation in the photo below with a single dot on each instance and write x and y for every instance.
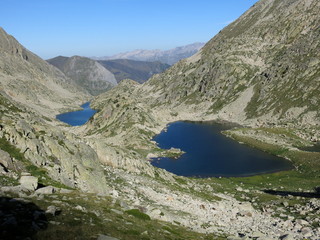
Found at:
(138, 214)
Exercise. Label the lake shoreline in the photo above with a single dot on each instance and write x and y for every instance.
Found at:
(228, 165)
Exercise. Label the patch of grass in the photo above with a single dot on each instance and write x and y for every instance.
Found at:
(170, 230)
(61, 143)
(180, 180)
(12, 150)
(138, 214)
(99, 219)
(8, 181)
(131, 232)
(9, 107)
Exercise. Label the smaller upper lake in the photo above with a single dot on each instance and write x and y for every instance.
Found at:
(211, 154)
(77, 118)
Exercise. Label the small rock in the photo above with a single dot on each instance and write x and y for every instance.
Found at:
(302, 222)
(155, 213)
(286, 204)
(53, 210)
(25, 174)
(54, 223)
(116, 211)
(303, 212)
(297, 227)
(306, 232)
(257, 234)
(124, 205)
(29, 182)
(63, 190)
(80, 208)
(5, 159)
(104, 237)
(286, 237)
(115, 193)
(151, 156)
(234, 238)
(145, 233)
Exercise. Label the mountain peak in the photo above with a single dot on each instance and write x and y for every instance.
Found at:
(86, 72)
(170, 56)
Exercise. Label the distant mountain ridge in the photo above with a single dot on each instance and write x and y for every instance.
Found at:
(170, 56)
(139, 71)
(86, 72)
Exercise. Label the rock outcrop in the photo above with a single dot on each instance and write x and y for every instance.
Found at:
(32, 93)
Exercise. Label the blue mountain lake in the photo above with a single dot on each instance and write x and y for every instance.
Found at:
(211, 154)
(77, 118)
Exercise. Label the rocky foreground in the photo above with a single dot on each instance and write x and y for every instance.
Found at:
(191, 204)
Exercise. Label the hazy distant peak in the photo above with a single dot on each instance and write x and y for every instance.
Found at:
(170, 56)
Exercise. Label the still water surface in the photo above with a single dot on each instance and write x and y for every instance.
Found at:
(77, 118)
(211, 154)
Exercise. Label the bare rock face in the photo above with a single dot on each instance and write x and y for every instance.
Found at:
(29, 182)
(5, 159)
(29, 80)
(46, 190)
(32, 93)
(85, 72)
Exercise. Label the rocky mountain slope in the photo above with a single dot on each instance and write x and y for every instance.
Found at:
(27, 79)
(139, 71)
(264, 66)
(85, 72)
(170, 56)
(32, 93)
(261, 71)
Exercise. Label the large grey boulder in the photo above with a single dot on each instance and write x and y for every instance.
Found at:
(29, 182)
(5, 159)
(46, 190)
(14, 189)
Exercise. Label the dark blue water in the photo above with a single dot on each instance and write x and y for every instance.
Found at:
(211, 154)
(77, 118)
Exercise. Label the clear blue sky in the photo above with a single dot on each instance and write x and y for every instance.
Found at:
(105, 27)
